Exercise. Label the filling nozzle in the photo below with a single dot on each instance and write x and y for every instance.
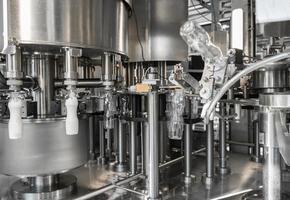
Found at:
(14, 75)
(72, 122)
(71, 75)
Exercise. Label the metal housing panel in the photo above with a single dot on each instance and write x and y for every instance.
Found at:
(96, 24)
(43, 149)
(158, 23)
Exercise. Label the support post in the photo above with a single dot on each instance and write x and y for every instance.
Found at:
(153, 165)
(223, 168)
(188, 154)
(209, 176)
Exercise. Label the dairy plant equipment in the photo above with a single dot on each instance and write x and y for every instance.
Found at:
(144, 99)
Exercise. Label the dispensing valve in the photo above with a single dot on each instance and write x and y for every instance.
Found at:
(71, 103)
(14, 75)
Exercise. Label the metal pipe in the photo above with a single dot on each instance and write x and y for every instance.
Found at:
(71, 64)
(153, 170)
(41, 67)
(272, 174)
(223, 168)
(121, 165)
(187, 153)
(162, 69)
(239, 75)
(133, 151)
(80, 83)
(145, 146)
(108, 143)
(272, 168)
(163, 134)
(107, 188)
(92, 138)
(256, 132)
(162, 141)
(101, 158)
(107, 66)
(256, 157)
(121, 143)
(179, 159)
(210, 152)
(240, 143)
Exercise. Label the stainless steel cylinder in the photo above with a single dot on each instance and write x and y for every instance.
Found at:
(133, 149)
(92, 139)
(102, 150)
(256, 157)
(223, 165)
(210, 151)
(89, 24)
(162, 66)
(121, 144)
(13, 62)
(41, 67)
(108, 62)
(272, 168)
(145, 149)
(187, 153)
(41, 182)
(109, 143)
(71, 63)
(157, 31)
(162, 142)
(43, 149)
(153, 164)
(274, 78)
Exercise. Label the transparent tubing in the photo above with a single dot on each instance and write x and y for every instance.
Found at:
(239, 75)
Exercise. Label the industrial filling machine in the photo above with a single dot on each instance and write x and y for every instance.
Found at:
(144, 99)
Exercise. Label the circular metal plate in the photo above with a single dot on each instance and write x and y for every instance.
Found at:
(275, 100)
(65, 187)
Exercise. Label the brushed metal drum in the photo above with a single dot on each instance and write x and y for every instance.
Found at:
(93, 24)
(43, 149)
(158, 26)
(274, 77)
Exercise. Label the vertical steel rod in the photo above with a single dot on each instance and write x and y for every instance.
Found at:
(153, 165)
(272, 168)
(121, 144)
(256, 157)
(92, 138)
(187, 153)
(133, 153)
(210, 153)
(101, 158)
(223, 167)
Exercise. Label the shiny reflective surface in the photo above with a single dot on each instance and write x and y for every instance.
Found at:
(273, 78)
(158, 24)
(41, 67)
(43, 149)
(96, 24)
(245, 176)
